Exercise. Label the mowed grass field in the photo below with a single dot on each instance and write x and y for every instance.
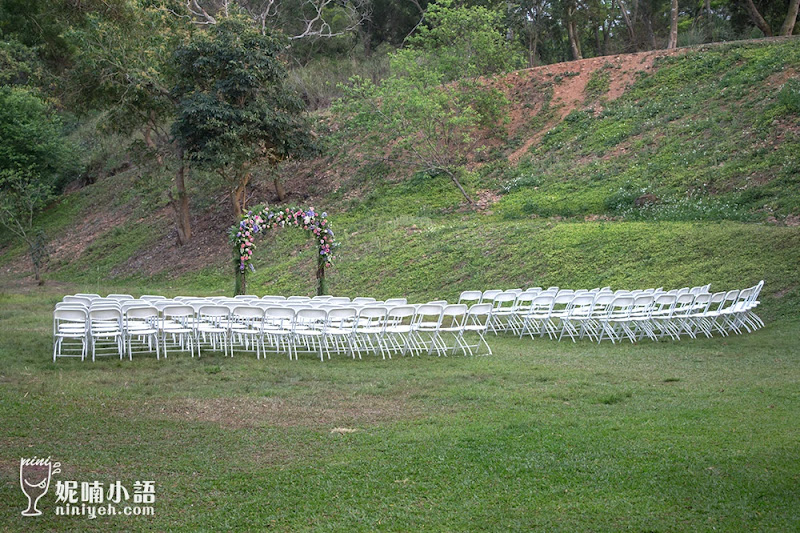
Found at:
(696, 435)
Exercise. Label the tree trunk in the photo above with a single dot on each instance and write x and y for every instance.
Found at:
(181, 205)
(37, 275)
(279, 188)
(572, 31)
(709, 21)
(648, 28)
(673, 27)
(454, 178)
(791, 18)
(322, 286)
(628, 24)
(239, 196)
(757, 19)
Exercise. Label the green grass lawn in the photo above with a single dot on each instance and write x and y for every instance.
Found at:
(670, 436)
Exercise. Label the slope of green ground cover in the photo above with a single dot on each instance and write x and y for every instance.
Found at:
(713, 133)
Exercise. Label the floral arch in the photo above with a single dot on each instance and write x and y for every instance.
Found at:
(255, 222)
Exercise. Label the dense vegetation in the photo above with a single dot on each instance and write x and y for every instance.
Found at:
(132, 132)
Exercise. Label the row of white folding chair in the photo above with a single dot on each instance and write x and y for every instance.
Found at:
(634, 316)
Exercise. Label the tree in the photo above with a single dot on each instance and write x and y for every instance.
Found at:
(121, 66)
(771, 11)
(31, 138)
(22, 196)
(234, 110)
(460, 41)
(35, 159)
(426, 125)
(673, 25)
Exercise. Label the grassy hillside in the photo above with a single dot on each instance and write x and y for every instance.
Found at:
(710, 133)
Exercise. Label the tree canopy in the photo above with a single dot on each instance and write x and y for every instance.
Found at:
(234, 110)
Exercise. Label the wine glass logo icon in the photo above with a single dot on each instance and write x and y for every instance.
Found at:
(34, 480)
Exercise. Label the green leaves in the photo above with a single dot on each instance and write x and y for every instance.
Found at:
(31, 138)
(233, 106)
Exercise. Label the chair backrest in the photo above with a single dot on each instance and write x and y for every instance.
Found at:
(428, 314)
(372, 314)
(177, 311)
(400, 312)
(478, 315)
(454, 310)
(542, 303)
(621, 305)
(141, 312)
(311, 318)
(298, 299)
(71, 305)
(152, 297)
(470, 296)
(363, 300)
(524, 299)
(395, 301)
(127, 304)
(101, 319)
(77, 299)
(664, 304)
(339, 300)
(70, 315)
(505, 300)
(120, 297)
(603, 299)
(339, 314)
(643, 304)
(488, 296)
(684, 304)
(161, 304)
(580, 305)
(213, 311)
(279, 316)
(89, 295)
(273, 298)
(247, 312)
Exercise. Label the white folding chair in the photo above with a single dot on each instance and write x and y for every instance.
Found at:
(503, 312)
(309, 330)
(368, 331)
(454, 318)
(339, 331)
(615, 322)
(577, 314)
(424, 328)
(534, 322)
(119, 297)
(105, 332)
(177, 327)
(476, 323)
(140, 325)
(247, 329)
(212, 327)
(278, 329)
(69, 329)
(470, 297)
(397, 328)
